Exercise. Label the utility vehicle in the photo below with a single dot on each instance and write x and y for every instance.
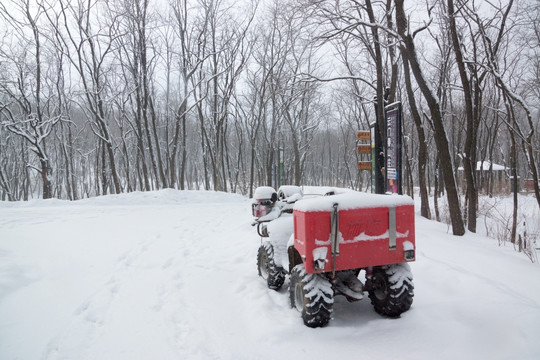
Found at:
(323, 242)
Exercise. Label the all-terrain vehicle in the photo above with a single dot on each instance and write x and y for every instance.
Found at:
(323, 243)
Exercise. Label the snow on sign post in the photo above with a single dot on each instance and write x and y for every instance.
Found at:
(393, 149)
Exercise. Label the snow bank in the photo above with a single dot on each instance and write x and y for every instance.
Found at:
(172, 275)
(137, 198)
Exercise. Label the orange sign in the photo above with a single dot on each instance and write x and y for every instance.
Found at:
(363, 135)
(364, 165)
(364, 149)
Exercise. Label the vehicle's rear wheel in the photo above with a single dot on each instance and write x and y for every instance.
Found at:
(268, 270)
(312, 295)
(391, 289)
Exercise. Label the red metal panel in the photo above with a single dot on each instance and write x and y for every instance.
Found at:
(364, 239)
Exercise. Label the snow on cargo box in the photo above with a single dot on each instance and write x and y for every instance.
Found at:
(369, 230)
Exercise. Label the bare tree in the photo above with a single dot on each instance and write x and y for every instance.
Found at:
(267, 64)
(422, 141)
(24, 98)
(491, 47)
(88, 49)
(441, 139)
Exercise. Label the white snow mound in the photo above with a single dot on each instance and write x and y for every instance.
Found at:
(172, 275)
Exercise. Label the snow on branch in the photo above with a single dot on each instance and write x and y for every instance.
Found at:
(313, 78)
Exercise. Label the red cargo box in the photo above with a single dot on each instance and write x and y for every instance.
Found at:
(373, 230)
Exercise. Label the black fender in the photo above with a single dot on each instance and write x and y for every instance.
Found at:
(294, 258)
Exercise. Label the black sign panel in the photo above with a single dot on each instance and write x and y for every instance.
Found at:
(393, 149)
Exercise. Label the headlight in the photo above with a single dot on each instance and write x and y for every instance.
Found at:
(408, 255)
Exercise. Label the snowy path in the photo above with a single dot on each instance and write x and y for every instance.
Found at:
(172, 275)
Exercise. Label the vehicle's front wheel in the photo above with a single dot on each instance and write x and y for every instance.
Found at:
(268, 270)
(312, 295)
(391, 289)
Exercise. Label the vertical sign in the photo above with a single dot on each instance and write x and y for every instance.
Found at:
(363, 147)
(393, 149)
(378, 146)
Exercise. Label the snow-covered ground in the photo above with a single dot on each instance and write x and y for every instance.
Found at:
(172, 275)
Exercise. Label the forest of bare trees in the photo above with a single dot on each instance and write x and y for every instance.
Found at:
(109, 96)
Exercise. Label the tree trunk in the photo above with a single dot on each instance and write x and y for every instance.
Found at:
(380, 78)
(422, 146)
(469, 163)
(441, 140)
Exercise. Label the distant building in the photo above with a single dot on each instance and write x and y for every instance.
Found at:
(529, 185)
(491, 178)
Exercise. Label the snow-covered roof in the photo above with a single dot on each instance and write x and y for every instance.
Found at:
(351, 200)
(484, 165)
